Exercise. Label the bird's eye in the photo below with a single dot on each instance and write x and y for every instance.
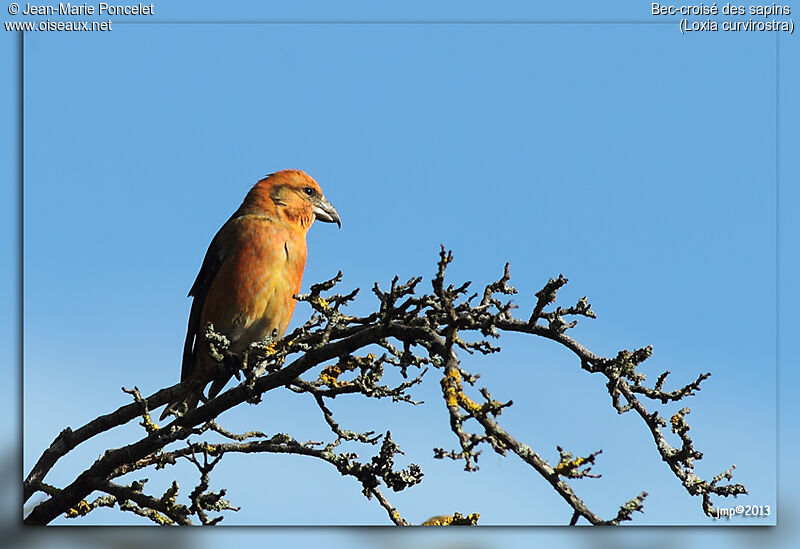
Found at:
(309, 191)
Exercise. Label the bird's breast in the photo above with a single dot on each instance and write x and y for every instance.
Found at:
(252, 294)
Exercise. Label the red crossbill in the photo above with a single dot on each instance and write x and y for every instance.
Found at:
(251, 271)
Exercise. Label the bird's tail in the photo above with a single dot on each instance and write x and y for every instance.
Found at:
(190, 398)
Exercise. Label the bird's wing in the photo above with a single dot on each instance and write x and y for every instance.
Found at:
(212, 262)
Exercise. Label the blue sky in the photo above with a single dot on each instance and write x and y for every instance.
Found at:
(638, 162)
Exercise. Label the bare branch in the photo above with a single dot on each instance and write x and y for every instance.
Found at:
(327, 358)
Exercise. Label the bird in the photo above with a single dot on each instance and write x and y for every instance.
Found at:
(249, 276)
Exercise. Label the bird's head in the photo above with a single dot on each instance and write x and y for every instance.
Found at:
(293, 196)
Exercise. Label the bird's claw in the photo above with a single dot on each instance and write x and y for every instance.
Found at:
(231, 362)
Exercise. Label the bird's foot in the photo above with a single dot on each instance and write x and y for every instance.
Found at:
(230, 361)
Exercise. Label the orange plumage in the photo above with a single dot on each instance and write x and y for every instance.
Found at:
(253, 267)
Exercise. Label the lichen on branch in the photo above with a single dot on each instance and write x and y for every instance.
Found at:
(334, 355)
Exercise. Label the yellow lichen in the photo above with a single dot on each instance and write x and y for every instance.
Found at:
(329, 376)
(454, 392)
(79, 510)
(439, 520)
(456, 519)
(566, 466)
(148, 424)
(468, 404)
(449, 383)
(161, 519)
(679, 425)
